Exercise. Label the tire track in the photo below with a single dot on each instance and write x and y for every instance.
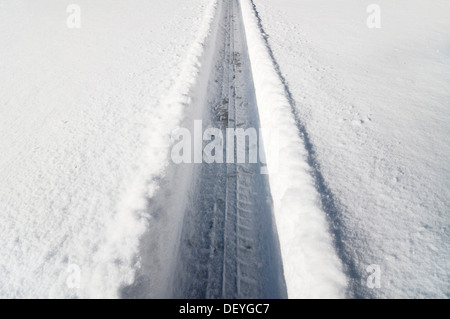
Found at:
(229, 245)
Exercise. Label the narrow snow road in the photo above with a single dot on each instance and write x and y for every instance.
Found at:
(229, 245)
(212, 225)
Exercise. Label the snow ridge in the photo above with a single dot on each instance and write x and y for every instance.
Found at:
(311, 264)
(167, 190)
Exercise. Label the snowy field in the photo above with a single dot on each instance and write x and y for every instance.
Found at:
(81, 125)
(376, 106)
(356, 203)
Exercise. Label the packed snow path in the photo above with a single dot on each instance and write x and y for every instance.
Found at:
(211, 226)
(229, 246)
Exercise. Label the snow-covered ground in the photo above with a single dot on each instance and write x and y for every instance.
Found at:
(93, 206)
(376, 107)
(81, 125)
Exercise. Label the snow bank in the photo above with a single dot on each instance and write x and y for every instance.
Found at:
(168, 190)
(83, 128)
(375, 103)
(312, 267)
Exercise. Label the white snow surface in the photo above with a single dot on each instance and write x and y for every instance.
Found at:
(86, 117)
(375, 104)
(82, 130)
(311, 266)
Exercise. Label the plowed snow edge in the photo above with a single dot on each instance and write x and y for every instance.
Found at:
(311, 264)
